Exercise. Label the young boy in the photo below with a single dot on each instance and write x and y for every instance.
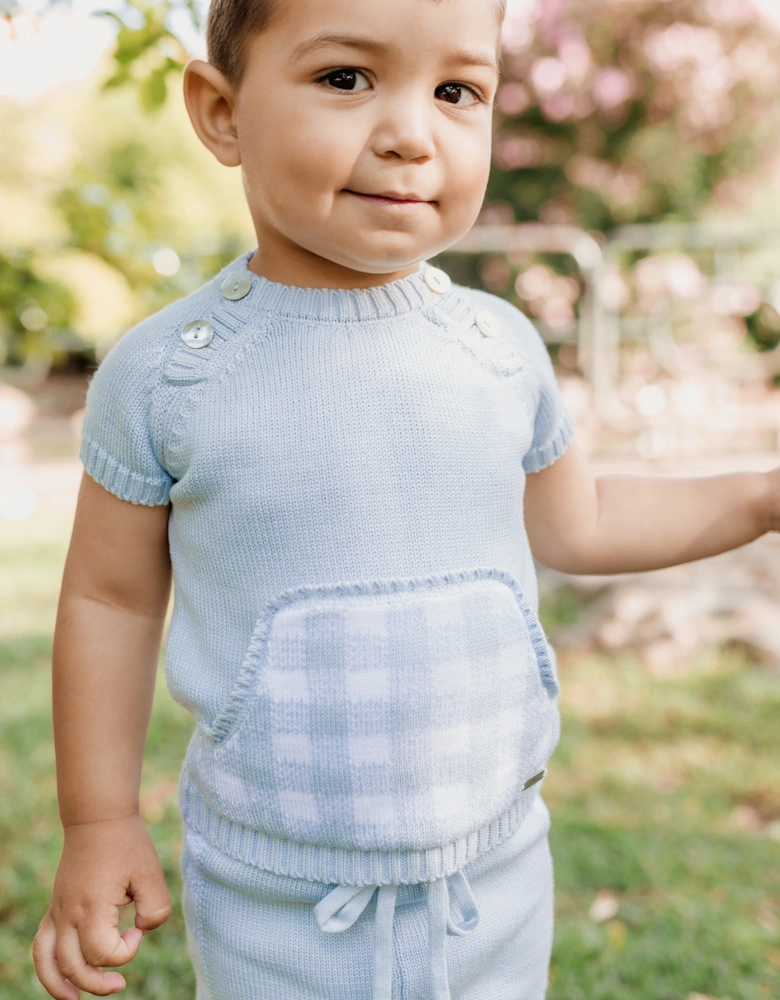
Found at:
(345, 462)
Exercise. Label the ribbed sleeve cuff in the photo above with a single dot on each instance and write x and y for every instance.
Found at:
(118, 479)
(547, 453)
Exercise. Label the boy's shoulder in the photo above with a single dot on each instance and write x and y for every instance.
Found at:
(149, 338)
(514, 323)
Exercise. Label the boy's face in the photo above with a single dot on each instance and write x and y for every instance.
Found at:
(364, 133)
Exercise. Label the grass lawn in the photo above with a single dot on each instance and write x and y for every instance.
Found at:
(665, 798)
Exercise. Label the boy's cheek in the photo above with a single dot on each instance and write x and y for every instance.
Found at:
(302, 156)
(464, 191)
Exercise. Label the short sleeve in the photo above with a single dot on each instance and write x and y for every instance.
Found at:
(554, 424)
(117, 448)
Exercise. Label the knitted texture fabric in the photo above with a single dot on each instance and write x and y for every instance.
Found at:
(355, 625)
(252, 936)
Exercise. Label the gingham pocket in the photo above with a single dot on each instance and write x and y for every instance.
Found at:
(392, 714)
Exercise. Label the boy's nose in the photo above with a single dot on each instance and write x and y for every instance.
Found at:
(405, 130)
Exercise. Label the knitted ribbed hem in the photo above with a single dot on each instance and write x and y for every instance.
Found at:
(541, 457)
(342, 866)
(118, 479)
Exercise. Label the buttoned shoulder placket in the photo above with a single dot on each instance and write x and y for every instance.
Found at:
(343, 905)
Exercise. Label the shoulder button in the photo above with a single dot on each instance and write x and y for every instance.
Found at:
(487, 324)
(236, 286)
(437, 280)
(199, 333)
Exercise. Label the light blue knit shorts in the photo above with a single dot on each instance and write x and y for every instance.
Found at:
(255, 935)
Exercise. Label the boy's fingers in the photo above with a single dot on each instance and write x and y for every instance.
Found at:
(133, 937)
(72, 965)
(152, 903)
(44, 951)
(100, 941)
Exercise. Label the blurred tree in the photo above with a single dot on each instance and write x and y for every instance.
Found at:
(131, 215)
(612, 113)
(763, 328)
(147, 48)
(35, 313)
(608, 113)
(111, 207)
(115, 204)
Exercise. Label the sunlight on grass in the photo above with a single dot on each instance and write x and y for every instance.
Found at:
(665, 798)
(666, 794)
(32, 555)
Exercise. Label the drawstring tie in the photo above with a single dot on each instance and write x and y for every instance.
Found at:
(344, 904)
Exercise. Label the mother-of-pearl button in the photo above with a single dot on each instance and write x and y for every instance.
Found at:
(487, 324)
(236, 286)
(437, 280)
(198, 333)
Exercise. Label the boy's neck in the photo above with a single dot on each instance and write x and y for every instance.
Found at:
(303, 269)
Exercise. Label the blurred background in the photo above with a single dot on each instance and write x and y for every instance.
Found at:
(634, 214)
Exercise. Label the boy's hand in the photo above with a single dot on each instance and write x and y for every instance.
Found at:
(103, 866)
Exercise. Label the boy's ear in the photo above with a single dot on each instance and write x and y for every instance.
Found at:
(210, 102)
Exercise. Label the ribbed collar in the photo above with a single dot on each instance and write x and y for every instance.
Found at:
(338, 305)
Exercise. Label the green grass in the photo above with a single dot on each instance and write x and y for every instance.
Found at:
(649, 791)
(646, 791)
(32, 554)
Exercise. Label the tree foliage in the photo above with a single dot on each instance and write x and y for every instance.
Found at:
(609, 112)
(147, 51)
(35, 314)
(614, 112)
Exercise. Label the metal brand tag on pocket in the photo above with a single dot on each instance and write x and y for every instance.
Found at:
(535, 778)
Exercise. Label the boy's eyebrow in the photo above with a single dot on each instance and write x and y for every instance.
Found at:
(380, 48)
(353, 41)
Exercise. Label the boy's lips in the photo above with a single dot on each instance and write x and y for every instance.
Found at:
(392, 199)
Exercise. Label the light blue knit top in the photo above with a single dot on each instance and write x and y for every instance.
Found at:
(355, 626)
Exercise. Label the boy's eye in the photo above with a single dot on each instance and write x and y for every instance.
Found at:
(454, 93)
(346, 79)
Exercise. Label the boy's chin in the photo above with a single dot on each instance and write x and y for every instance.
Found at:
(386, 263)
(385, 267)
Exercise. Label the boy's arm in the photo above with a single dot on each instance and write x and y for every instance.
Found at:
(627, 524)
(110, 619)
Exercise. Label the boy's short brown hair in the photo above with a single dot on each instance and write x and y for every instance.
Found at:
(231, 22)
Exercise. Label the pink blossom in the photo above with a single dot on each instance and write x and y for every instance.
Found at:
(613, 291)
(534, 282)
(548, 75)
(672, 47)
(611, 87)
(558, 106)
(517, 31)
(575, 54)
(514, 151)
(586, 172)
(513, 98)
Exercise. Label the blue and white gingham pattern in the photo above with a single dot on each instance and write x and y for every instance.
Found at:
(387, 717)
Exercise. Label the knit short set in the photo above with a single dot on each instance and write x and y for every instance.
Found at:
(355, 628)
